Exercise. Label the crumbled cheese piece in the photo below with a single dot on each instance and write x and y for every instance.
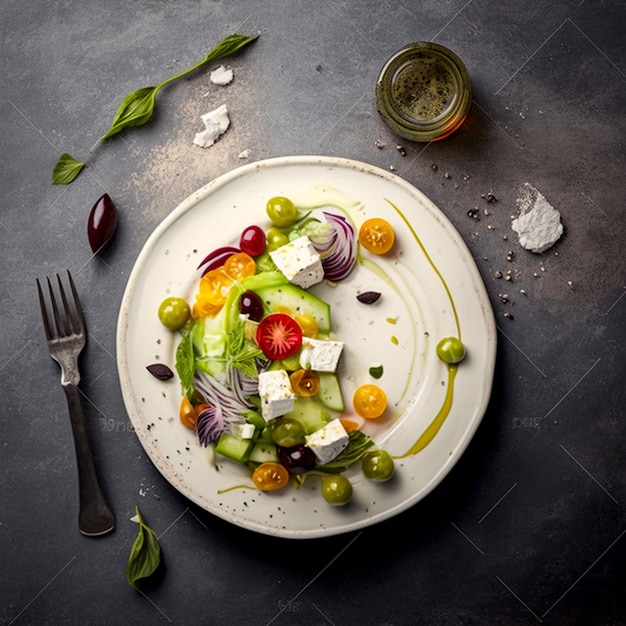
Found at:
(328, 441)
(299, 262)
(277, 396)
(216, 123)
(244, 154)
(221, 76)
(321, 356)
(244, 431)
(539, 224)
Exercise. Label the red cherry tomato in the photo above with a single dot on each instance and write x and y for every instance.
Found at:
(279, 336)
(252, 240)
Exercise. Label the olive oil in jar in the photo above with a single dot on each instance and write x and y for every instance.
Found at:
(423, 92)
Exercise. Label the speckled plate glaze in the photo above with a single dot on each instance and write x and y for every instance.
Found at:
(429, 273)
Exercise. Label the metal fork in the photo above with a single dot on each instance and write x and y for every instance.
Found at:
(66, 335)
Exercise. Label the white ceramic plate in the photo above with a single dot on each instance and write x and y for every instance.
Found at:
(428, 277)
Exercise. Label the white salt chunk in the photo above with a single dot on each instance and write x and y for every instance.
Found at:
(216, 123)
(539, 224)
(221, 76)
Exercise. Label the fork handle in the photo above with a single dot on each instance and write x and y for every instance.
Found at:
(94, 515)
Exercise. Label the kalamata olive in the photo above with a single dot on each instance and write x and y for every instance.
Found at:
(250, 304)
(297, 459)
(102, 223)
(160, 371)
(368, 297)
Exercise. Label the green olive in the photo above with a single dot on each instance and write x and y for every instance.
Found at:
(281, 211)
(450, 350)
(275, 239)
(377, 465)
(336, 489)
(174, 313)
(287, 433)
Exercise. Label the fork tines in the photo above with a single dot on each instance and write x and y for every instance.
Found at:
(66, 321)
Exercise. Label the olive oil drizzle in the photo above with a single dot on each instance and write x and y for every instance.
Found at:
(433, 428)
(429, 434)
(430, 261)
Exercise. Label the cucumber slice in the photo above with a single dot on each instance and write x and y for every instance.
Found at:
(234, 448)
(262, 452)
(297, 300)
(311, 413)
(330, 392)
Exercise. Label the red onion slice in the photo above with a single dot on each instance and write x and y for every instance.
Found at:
(339, 257)
(217, 257)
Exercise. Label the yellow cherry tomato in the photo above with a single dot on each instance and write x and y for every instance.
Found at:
(203, 308)
(187, 413)
(270, 476)
(215, 286)
(281, 308)
(308, 324)
(376, 235)
(369, 401)
(305, 383)
(240, 265)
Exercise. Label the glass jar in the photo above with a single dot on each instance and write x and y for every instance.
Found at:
(424, 92)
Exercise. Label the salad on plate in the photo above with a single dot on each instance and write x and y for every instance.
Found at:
(259, 360)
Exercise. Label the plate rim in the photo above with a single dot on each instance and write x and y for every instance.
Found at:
(226, 178)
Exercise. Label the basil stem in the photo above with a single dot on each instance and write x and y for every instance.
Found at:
(145, 554)
(66, 170)
(138, 106)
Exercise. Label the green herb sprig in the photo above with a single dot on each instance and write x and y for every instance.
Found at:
(242, 354)
(137, 108)
(145, 554)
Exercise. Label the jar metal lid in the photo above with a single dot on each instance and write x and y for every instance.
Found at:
(424, 92)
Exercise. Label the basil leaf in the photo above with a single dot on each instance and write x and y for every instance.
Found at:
(229, 45)
(376, 371)
(145, 554)
(185, 362)
(137, 108)
(66, 170)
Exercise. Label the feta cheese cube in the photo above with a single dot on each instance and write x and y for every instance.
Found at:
(277, 396)
(328, 441)
(299, 262)
(321, 356)
(244, 431)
